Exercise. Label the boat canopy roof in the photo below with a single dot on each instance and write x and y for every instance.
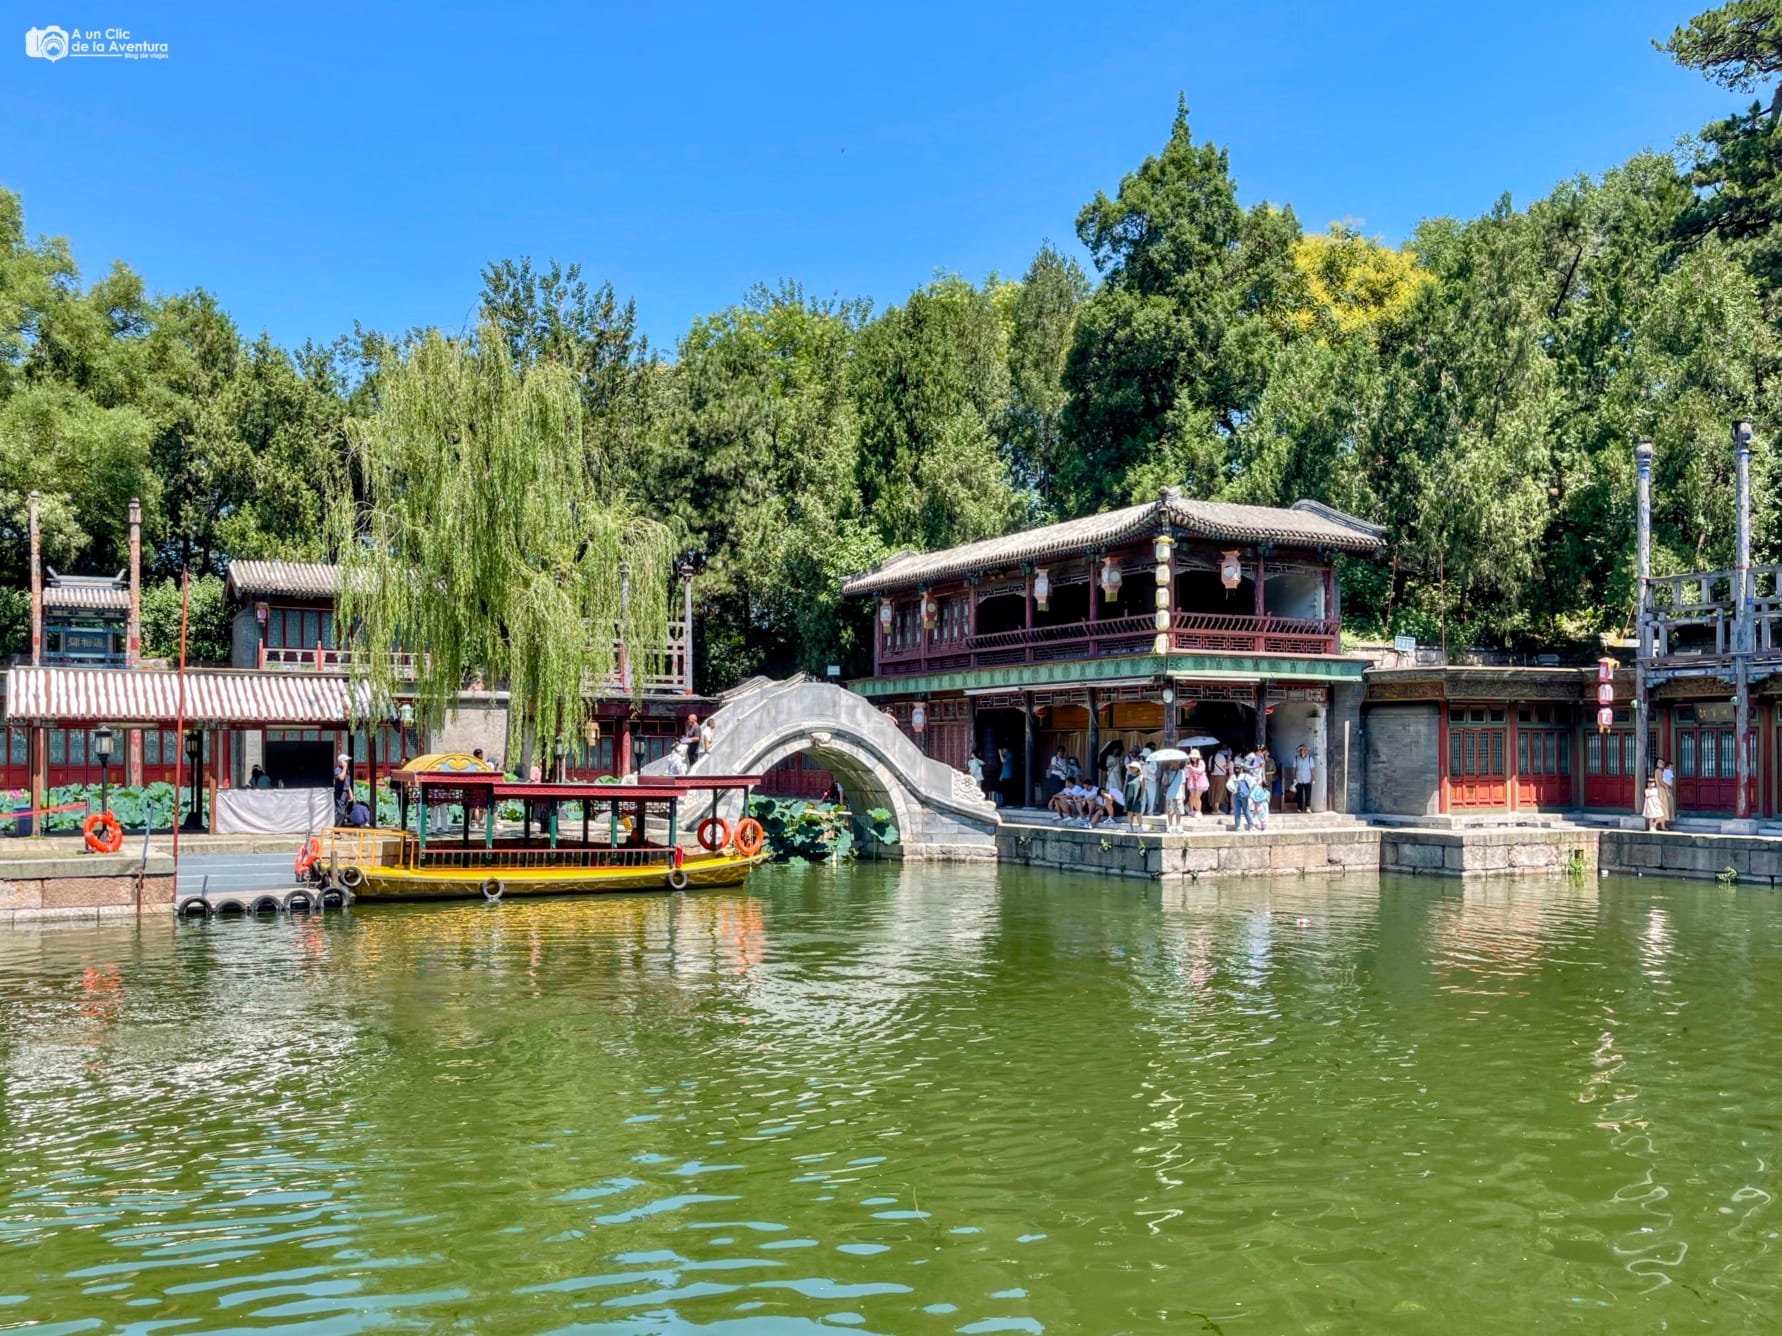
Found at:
(663, 788)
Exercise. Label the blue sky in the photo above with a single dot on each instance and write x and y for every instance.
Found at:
(316, 164)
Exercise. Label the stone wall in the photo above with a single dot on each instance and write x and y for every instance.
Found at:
(1754, 859)
(477, 720)
(1344, 765)
(1400, 743)
(1496, 853)
(1191, 857)
(83, 887)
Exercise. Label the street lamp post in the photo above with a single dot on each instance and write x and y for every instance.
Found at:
(194, 755)
(103, 741)
(562, 760)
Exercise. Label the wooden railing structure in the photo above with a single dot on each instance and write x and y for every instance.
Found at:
(668, 678)
(1189, 632)
(1685, 609)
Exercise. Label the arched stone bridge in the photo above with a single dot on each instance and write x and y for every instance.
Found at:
(940, 813)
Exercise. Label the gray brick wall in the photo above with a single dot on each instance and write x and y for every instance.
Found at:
(1402, 776)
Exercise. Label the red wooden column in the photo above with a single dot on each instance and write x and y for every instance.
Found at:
(1442, 754)
(1094, 600)
(1261, 605)
(1511, 777)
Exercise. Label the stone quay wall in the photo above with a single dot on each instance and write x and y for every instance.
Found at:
(1514, 852)
(1158, 857)
(1754, 859)
(84, 888)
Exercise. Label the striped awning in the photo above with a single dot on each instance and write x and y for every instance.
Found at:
(212, 697)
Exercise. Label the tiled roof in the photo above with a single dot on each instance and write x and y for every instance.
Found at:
(73, 594)
(1304, 524)
(283, 579)
(146, 696)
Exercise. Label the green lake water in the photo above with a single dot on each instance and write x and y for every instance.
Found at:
(918, 1100)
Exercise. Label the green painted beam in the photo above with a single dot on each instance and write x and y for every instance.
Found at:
(1088, 672)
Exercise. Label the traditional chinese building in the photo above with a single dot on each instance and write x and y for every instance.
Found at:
(285, 625)
(1154, 624)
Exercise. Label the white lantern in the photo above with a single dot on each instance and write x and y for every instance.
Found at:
(918, 717)
(1162, 645)
(1163, 619)
(1231, 570)
(1042, 588)
(1161, 547)
(1110, 579)
(1163, 574)
(1163, 596)
(1605, 693)
(885, 615)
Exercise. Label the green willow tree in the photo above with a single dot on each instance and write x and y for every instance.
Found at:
(488, 540)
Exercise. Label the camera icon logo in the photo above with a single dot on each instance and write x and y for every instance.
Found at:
(49, 43)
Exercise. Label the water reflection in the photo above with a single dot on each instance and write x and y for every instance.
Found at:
(904, 1099)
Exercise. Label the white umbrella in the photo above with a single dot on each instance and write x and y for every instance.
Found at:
(1202, 740)
(1169, 755)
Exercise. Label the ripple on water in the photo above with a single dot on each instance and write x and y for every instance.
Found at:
(917, 1099)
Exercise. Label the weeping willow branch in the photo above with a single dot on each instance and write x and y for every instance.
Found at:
(488, 543)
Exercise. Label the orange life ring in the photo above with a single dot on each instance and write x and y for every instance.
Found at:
(749, 837)
(111, 841)
(307, 856)
(708, 842)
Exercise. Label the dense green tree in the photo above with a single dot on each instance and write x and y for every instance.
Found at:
(755, 463)
(931, 383)
(1042, 312)
(1738, 159)
(1172, 352)
(208, 621)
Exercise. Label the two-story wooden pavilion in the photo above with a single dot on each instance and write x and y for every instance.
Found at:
(1151, 623)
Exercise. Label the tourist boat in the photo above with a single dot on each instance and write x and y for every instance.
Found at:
(574, 838)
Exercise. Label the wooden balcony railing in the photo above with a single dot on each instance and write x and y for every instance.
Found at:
(1695, 615)
(1189, 632)
(669, 677)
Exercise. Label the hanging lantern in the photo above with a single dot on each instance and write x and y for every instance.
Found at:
(1110, 579)
(1605, 693)
(1162, 644)
(918, 717)
(929, 609)
(1163, 619)
(1163, 597)
(1231, 570)
(885, 615)
(1605, 717)
(1161, 547)
(1605, 669)
(1042, 588)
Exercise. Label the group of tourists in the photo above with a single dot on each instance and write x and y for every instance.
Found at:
(1180, 786)
(695, 740)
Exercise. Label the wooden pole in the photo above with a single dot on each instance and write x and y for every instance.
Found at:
(179, 725)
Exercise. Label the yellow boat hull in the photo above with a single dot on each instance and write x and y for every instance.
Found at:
(703, 872)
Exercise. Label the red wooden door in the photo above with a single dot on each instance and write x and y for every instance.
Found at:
(1608, 769)
(1543, 766)
(1708, 768)
(1476, 765)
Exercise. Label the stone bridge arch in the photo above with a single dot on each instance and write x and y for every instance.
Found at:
(939, 812)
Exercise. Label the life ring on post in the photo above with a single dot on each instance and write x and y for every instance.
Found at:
(709, 842)
(307, 856)
(108, 843)
(750, 837)
(677, 879)
(492, 890)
